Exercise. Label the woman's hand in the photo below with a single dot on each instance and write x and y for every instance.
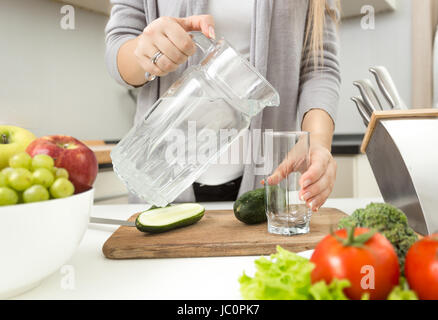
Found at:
(318, 178)
(318, 181)
(170, 36)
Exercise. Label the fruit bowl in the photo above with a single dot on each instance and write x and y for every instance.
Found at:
(36, 239)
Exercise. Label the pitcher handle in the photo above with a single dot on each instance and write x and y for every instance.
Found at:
(201, 41)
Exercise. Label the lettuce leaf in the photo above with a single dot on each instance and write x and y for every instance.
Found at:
(286, 276)
(402, 292)
(333, 291)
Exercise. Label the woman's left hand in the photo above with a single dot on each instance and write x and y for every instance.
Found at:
(318, 181)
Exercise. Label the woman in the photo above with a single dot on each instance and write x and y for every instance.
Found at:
(292, 43)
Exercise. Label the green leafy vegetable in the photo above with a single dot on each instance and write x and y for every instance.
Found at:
(387, 220)
(402, 292)
(333, 291)
(286, 276)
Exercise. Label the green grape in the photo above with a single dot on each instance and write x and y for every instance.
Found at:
(60, 173)
(7, 196)
(42, 161)
(3, 180)
(35, 193)
(6, 171)
(20, 160)
(62, 188)
(20, 179)
(43, 177)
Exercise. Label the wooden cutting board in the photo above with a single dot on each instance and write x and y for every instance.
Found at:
(218, 234)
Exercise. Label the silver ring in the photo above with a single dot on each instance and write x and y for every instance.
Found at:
(156, 56)
(149, 77)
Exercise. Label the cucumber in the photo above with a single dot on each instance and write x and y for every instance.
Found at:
(164, 219)
(250, 207)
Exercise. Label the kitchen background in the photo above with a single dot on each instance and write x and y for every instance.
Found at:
(54, 81)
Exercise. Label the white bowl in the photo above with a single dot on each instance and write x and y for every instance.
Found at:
(36, 239)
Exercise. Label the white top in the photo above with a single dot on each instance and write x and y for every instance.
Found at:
(233, 22)
(203, 278)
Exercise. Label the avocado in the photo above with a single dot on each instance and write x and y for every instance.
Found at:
(250, 207)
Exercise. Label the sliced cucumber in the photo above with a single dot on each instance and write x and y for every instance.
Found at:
(168, 218)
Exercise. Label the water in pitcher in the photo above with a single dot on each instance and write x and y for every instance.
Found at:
(192, 123)
(173, 146)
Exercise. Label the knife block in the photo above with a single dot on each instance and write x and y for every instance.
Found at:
(402, 148)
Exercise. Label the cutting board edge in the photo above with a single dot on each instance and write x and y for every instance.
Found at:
(110, 250)
(204, 251)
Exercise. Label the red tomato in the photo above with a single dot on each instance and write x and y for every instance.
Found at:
(421, 268)
(369, 263)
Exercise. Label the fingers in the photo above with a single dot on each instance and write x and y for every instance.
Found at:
(317, 202)
(169, 36)
(168, 48)
(143, 53)
(147, 65)
(289, 165)
(203, 23)
(154, 39)
(317, 193)
(318, 166)
(314, 189)
(178, 36)
(279, 174)
(172, 57)
(283, 170)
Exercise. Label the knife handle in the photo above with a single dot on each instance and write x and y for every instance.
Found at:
(387, 87)
(362, 110)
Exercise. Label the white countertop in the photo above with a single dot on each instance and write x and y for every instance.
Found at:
(90, 275)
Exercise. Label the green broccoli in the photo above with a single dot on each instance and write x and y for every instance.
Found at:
(387, 220)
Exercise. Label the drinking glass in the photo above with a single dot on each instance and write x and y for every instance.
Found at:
(286, 154)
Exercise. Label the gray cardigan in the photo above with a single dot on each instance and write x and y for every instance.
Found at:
(277, 43)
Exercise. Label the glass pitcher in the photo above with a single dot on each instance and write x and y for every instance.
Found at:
(197, 119)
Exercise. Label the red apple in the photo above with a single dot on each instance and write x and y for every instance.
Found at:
(70, 154)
